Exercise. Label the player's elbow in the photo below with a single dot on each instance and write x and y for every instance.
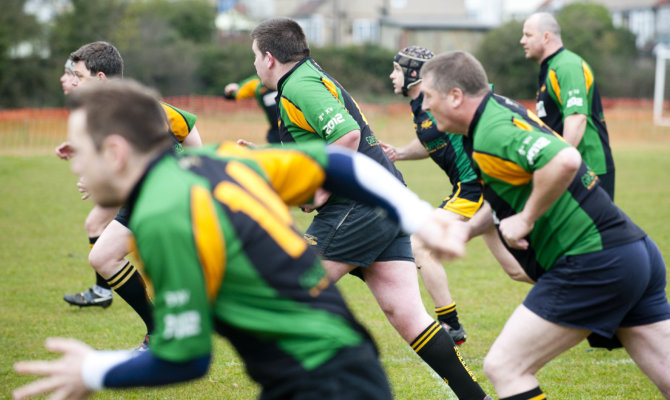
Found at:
(570, 160)
(351, 140)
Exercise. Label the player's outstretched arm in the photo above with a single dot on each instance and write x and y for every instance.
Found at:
(413, 150)
(360, 178)
(82, 370)
(62, 377)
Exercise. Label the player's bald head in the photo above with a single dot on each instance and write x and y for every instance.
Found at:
(545, 22)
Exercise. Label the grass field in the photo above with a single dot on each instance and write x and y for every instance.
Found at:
(44, 250)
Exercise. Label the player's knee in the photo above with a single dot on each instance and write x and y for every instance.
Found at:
(494, 367)
(102, 260)
(96, 259)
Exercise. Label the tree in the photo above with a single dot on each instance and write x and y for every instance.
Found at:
(586, 29)
(506, 66)
(20, 78)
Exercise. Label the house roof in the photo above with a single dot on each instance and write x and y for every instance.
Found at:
(437, 23)
(308, 8)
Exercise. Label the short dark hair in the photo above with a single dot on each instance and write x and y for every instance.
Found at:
(100, 57)
(283, 38)
(456, 69)
(126, 108)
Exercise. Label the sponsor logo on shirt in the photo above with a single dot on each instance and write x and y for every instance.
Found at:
(181, 325)
(333, 122)
(589, 179)
(435, 144)
(531, 154)
(573, 100)
(177, 298)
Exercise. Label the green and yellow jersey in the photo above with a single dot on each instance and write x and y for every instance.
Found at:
(179, 122)
(315, 107)
(567, 86)
(221, 251)
(507, 144)
(252, 87)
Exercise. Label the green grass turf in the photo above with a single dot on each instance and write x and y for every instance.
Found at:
(44, 249)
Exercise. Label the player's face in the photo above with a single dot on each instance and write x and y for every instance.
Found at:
(437, 103)
(90, 164)
(397, 78)
(531, 40)
(68, 81)
(82, 73)
(261, 65)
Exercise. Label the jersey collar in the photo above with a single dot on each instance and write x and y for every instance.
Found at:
(135, 192)
(283, 79)
(478, 114)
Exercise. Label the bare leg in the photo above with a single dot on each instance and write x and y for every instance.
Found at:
(649, 346)
(432, 274)
(511, 367)
(107, 257)
(98, 219)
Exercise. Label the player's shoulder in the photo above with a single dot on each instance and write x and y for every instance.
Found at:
(565, 60)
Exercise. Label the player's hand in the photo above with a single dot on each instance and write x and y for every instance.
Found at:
(64, 151)
(230, 89)
(390, 151)
(246, 143)
(81, 186)
(321, 196)
(514, 229)
(444, 235)
(63, 377)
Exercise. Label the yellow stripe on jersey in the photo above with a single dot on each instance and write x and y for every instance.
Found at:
(359, 110)
(177, 122)
(501, 169)
(588, 76)
(292, 174)
(248, 89)
(239, 200)
(209, 240)
(522, 124)
(554, 85)
(253, 183)
(295, 115)
(331, 87)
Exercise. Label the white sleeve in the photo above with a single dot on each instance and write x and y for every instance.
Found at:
(98, 363)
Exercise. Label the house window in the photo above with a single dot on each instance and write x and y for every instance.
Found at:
(365, 31)
(313, 28)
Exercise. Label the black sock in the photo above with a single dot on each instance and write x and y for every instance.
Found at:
(437, 349)
(448, 315)
(128, 283)
(534, 394)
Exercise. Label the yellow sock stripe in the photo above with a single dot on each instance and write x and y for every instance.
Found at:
(425, 338)
(446, 309)
(539, 397)
(122, 276)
